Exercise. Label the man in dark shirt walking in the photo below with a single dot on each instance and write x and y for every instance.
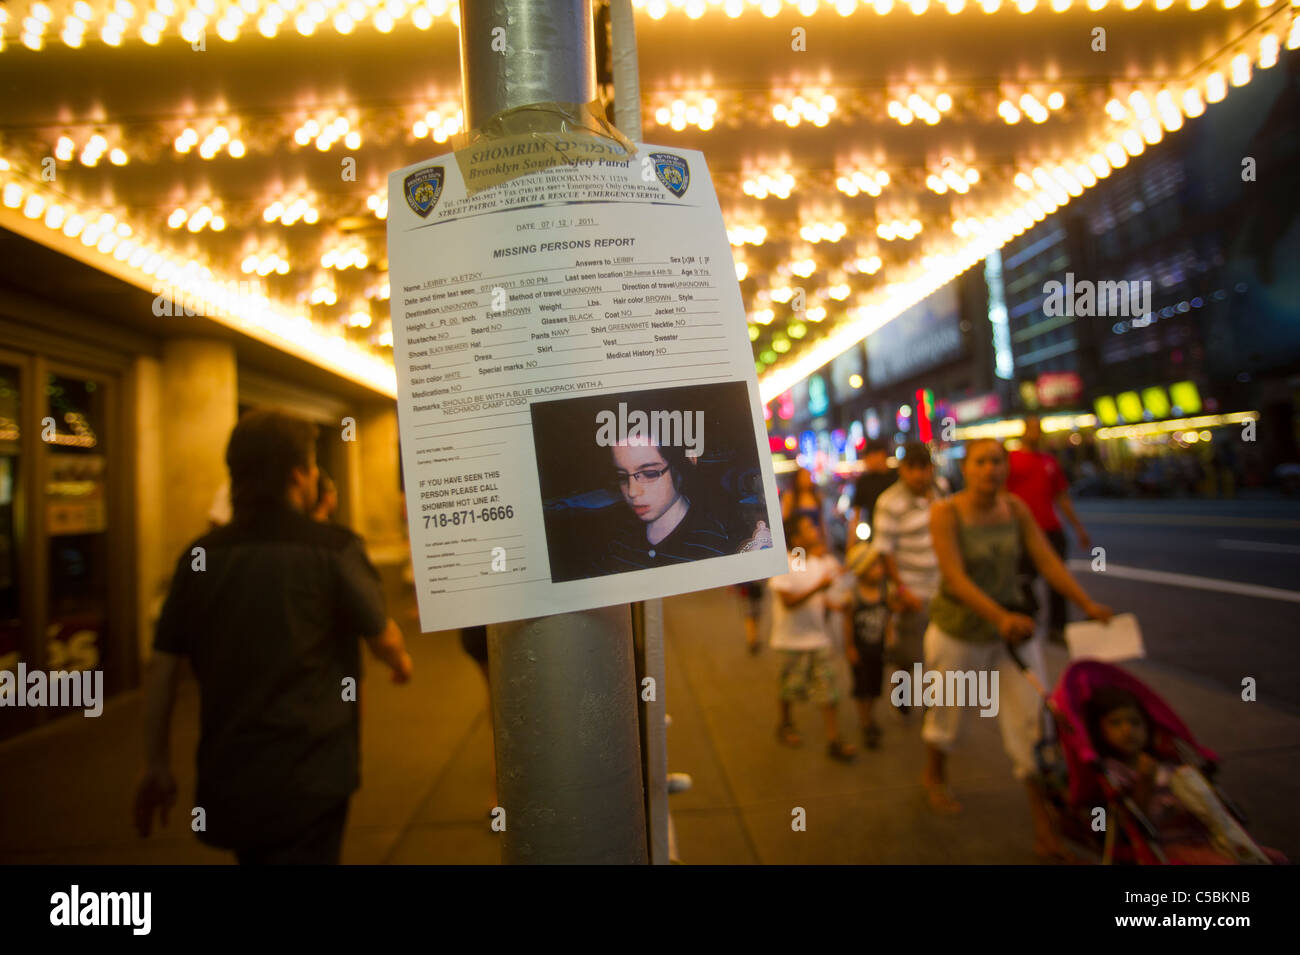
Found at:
(875, 478)
(269, 610)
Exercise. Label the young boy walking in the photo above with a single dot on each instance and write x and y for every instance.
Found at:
(866, 631)
(799, 632)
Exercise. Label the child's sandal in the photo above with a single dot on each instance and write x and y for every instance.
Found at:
(941, 798)
(787, 735)
(841, 751)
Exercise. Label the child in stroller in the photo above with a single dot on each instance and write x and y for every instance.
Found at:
(1125, 745)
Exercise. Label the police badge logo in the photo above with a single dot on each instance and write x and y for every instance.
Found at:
(422, 189)
(672, 172)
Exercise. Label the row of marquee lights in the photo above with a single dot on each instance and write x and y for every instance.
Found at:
(693, 108)
(240, 305)
(814, 231)
(105, 232)
(698, 108)
(441, 125)
(325, 132)
(1135, 124)
(1060, 183)
(694, 9)
(1162, 112)
(110, 236)
(781, 182)
(1057, 184)
(112, 19)
(236, 19)
(291, 209)
(1155, 114)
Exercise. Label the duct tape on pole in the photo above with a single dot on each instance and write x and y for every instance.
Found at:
(564, 701)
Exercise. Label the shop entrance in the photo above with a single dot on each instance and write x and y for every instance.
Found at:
(63, 555)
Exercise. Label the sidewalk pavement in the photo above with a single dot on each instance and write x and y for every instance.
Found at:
(66, 791)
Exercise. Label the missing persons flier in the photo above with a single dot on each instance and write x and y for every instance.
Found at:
(579, 414)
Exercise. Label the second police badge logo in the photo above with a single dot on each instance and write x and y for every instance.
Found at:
(422, 189)
(672, 172)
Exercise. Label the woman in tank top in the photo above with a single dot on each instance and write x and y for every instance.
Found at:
(978, 537)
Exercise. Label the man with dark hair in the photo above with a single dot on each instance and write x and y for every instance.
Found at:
(265, 449)
(875, 478)
(269, 609)
(903, 537)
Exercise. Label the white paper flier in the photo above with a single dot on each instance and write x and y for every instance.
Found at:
(1120, 639)
(579, 413)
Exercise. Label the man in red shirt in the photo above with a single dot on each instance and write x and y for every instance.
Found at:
(1036, 478)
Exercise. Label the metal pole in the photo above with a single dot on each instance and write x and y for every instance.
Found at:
(564, 692)
(648, 639)
(647, 616)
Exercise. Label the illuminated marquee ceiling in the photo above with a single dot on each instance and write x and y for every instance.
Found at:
(896, 149)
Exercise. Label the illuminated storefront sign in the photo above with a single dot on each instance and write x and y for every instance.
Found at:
(817, 401)
(973, 409)
(1151, 428)
(1130, 406)
(1156, 402)
(1059, 389)
(924, 414)
(1151, 404)
(1003, 361)
(1186, 397)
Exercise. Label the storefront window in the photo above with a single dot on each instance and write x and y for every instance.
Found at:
(10, 620)
(76, 523)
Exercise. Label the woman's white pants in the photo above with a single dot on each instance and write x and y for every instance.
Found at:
(1019, 712)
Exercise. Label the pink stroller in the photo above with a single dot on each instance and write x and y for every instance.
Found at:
(1079, 780)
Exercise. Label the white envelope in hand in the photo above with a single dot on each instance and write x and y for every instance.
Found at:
(1121, 639)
